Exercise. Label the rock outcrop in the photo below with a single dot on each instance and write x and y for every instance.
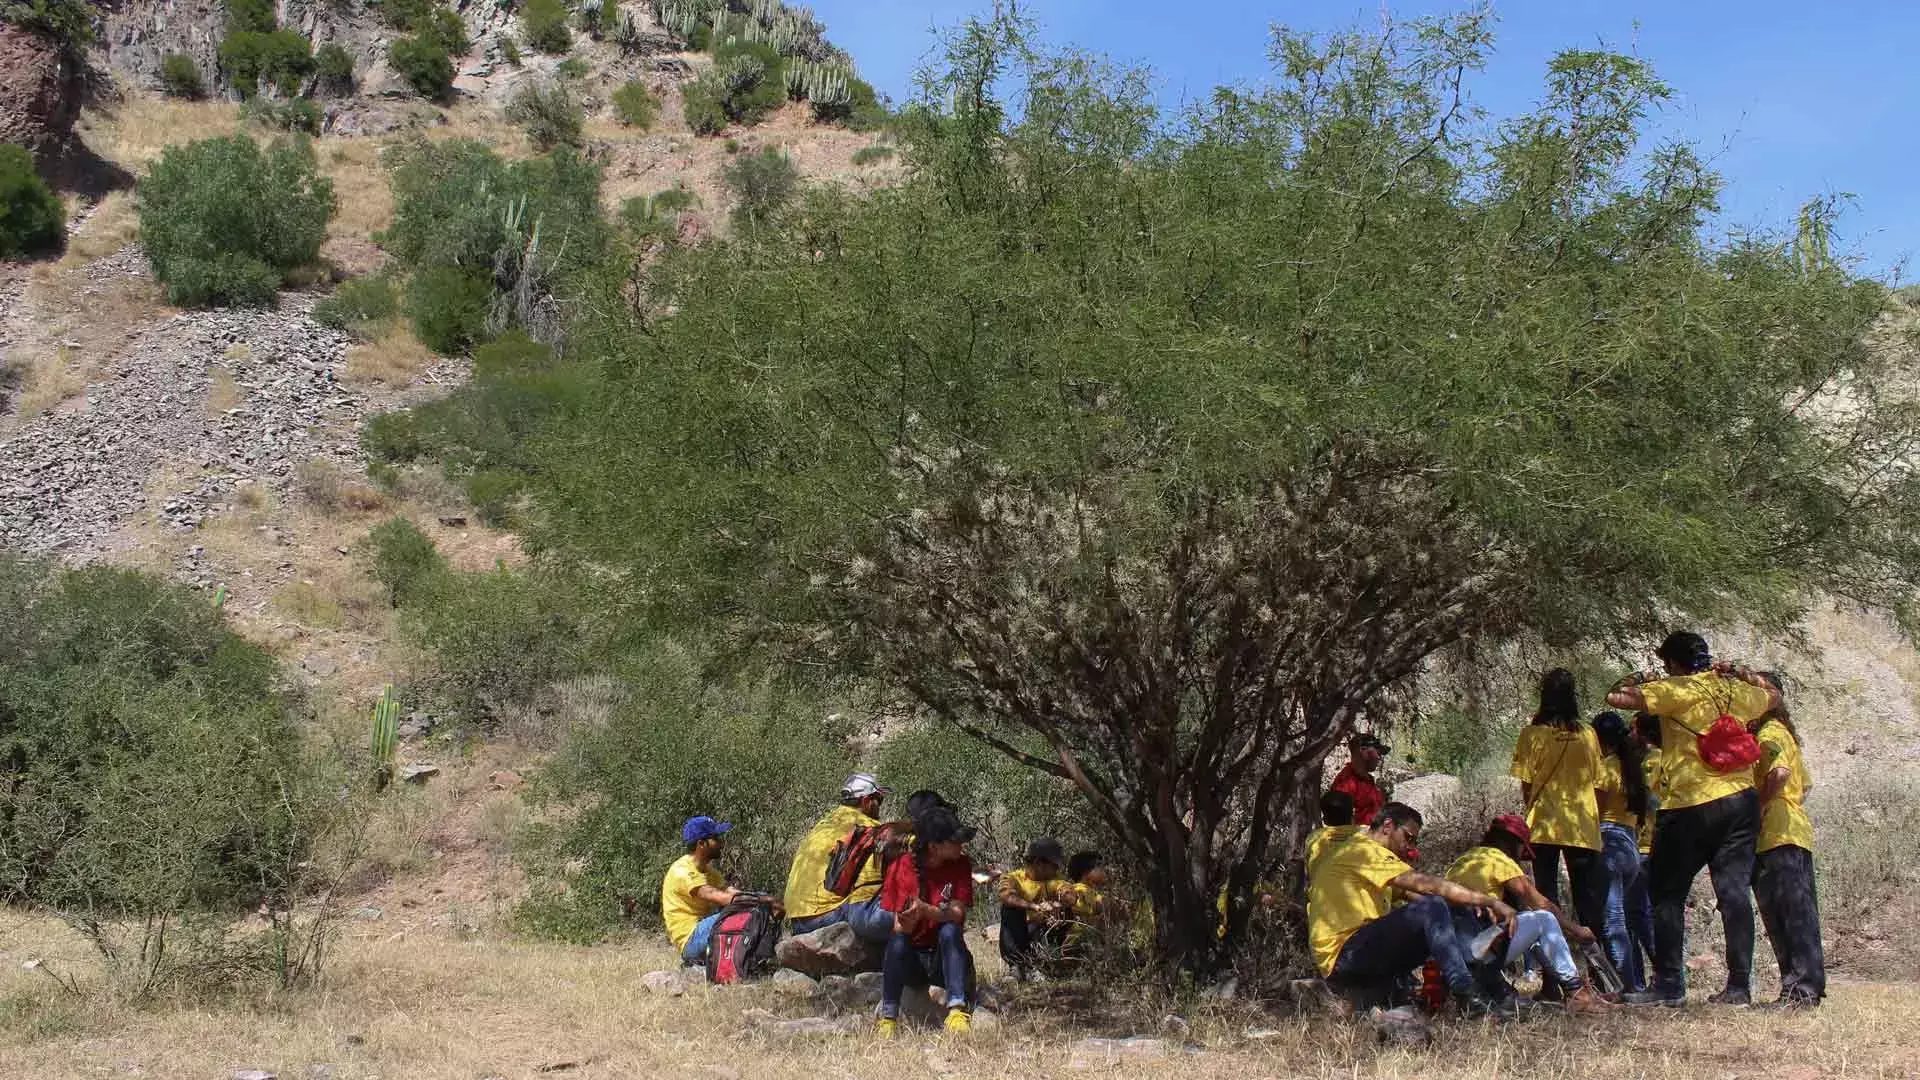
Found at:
(40, 92)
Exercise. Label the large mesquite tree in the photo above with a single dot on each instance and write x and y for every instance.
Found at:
(1157, 452)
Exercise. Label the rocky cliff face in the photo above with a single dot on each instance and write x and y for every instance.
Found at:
(40, 92)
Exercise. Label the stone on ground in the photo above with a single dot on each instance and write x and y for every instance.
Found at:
(834, 950)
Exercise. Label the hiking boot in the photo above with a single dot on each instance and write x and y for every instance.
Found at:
(886, 1029)
(1733, 997)
(1655, 998)
(1475, 1004)
(958, 1022)
(1585, 1002)
(1792, 1002)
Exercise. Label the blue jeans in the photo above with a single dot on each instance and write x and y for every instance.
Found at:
(1620, 855)
(1395, 944)
(949, 962)
(1640, 923)
(695, 952)
(869, 920)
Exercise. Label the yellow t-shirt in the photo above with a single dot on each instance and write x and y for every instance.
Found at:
(1020, 883)
(1325, 839)
(1783, 820)
(1613, 794)
(1657, 789)
(679, 908)
(807, 894)
(1687, 706)
(1564, 768)
(1485, 870)
(1348, 891)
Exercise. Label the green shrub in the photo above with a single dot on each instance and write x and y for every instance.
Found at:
(861, 111)
(280, 57)
(703, 105)
(425, 65)
(543, 26)
(402, 558)
(158, 791)
(393, 438)
(448, 307)
(763, 182)
(252, 16)
(573, 67)
(872, 155)
(180, 77)
(334, 64)
(493, 493)
(509, 49)
(359, 305)
(450, 201)
(403, 14)
(223, 221)
(444, 28)
(32, 220)
(658, 215)
(622, 783)
(300, 114)
(67, 22)
(548, 113)
(635, 105)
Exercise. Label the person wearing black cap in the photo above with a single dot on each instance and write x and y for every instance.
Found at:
(1709, 816)
(1031, 903)
(1355, 779)
(928, 892)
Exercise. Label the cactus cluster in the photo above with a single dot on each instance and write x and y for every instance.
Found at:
(386, 736)
(680, 16)
(829, 84)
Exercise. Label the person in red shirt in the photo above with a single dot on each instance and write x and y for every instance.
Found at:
(929, 890)
(1356, 778)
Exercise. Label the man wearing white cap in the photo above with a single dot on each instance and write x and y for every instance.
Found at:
(810, 904)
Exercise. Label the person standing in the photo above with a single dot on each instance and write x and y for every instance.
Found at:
(1558, 763)
(1783, 881)
(1708, 818)
(1356, 778)
(928, 892)
(693, 892)
(1625, 808)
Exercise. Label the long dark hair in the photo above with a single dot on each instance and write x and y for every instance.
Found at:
(1616, 738)
(1559, 700)
(1778, 713)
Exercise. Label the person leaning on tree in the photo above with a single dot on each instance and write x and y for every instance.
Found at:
(1783, 883)
(1356, 779)
(1362, 944)
(1708, 819)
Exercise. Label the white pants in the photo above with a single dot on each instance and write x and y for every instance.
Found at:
(1539, 932)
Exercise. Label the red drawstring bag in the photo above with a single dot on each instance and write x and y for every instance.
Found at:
(1726, 746)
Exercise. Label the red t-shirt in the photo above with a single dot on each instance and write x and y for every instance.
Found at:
(951, 883)
(1367, 796)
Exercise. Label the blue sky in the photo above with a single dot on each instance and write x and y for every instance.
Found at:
(1788, 99)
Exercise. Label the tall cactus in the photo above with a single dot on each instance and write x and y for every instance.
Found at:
(386, 737)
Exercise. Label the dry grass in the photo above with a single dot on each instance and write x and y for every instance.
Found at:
(223, 390)
(363, 200)
(325, 488)
(134, 132)
(393, 359)
(48, 380)
(436, 1006)
(114, 224)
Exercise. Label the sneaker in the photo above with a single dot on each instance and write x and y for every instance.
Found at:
(1655, 998)
(958, 1022)
(1733, 997)
(886, 1029)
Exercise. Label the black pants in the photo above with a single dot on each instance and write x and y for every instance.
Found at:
(1718, 835)
(1789, 904)
(1021, 947)
(1389, 947)
(1586, 879)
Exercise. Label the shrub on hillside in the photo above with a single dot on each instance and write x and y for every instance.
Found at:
(543, 26)
(299, 115)
(425, 65)
(635, 105)
(860, 111)
(180, 77)
(763, 182)
(402, 559)
(703, 105)
(451, 197)
(223, 220)
(358, 305)
(548, 113)
(334, 66)
(445, 29)
(32, 221)
(448, 307)
(280, 57)
(68, 22)
(252, 16)
(158, 790)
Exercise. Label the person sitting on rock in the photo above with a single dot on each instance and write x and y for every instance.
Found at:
(693, 892)
(1031, 906)
(927, 893)
(810, 904)
(1362, 945)
(1540, 930)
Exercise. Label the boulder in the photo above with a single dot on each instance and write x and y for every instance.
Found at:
(40, 92)
(833, 950)
(671, 983)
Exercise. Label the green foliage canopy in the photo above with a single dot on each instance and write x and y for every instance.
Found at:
(32, 220)
(223, 221)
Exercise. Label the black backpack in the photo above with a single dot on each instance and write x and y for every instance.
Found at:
(743, 941)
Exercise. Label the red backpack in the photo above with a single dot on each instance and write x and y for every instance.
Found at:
(849, 856)
(1726, 746)
(743, 942)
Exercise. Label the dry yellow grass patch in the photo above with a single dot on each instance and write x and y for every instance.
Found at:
(432, 1005)
(48, 380)
(363, 200)
(113, 224)
(133, 132)
(394, 359)
(223, 390)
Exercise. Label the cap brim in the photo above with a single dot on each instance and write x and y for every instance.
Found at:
(723, 828)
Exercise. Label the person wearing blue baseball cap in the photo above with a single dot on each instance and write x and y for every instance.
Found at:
(693, 892)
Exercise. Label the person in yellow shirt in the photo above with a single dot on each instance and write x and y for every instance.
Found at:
(1361, 943)
(810, 904)
(1625, 808)
(1707, 818)
(693, 892)
(1336, 827)
(1558, 763)
(1033, 900)
(1540, 930)
(1783, 884)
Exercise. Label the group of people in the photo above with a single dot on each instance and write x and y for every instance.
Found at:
(905, 886)
(1709, 775)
